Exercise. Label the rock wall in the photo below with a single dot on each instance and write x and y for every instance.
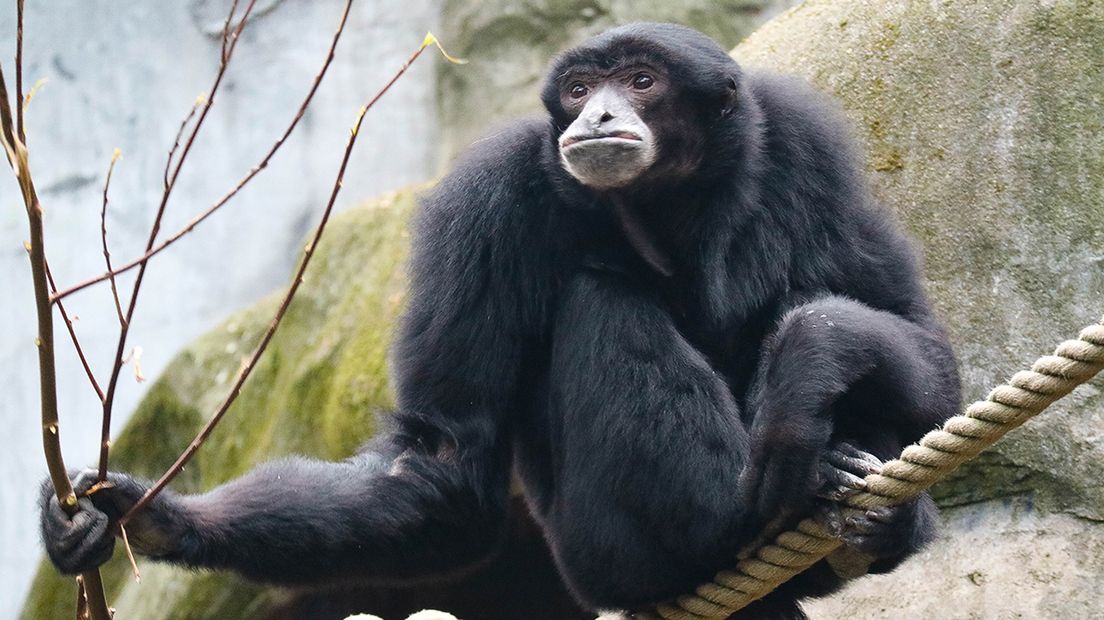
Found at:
(123, 75)
(984, 125)
(509, 45)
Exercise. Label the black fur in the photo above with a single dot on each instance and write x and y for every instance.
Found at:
(656, 423)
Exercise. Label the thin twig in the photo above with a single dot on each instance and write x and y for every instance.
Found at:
(218, 204)
(226, 30)
(297, 280)
(73, 336)
(124, 329)
(19, 103)
(130, 555)
(103, 238)
(16, 152)
(82, 600)
(176, 144)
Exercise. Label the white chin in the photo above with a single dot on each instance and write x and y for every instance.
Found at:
(605, 164)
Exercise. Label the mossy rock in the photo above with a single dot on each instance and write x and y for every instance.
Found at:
(983, 123)
(319, 390)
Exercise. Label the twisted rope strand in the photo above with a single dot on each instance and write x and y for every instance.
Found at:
(920, 466)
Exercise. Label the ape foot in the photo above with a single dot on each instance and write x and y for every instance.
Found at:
(879, 532)
(842, 472)
(875, 532)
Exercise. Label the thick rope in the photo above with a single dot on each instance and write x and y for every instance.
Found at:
(920, 466)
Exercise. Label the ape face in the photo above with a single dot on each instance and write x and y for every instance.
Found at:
(609, 145)
(632, 112)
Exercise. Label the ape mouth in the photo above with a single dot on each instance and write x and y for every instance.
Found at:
(616, 135)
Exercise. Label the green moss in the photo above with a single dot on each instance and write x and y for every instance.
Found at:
(888, 160)
(885, 40)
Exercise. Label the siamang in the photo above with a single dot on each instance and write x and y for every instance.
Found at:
(669, 310)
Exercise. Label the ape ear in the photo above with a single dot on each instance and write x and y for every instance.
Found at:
(730, 96)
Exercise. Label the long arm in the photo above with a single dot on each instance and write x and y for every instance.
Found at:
(376, 515)
(427, 497)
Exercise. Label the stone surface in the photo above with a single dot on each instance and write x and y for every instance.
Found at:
(510, 44)
(123, 75)
(984, 125)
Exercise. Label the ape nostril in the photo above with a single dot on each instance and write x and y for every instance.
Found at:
(606, 117)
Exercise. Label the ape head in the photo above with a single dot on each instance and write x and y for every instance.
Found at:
(642, 98)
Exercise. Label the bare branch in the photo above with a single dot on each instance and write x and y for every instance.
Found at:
(82, 600)
(226, 30)
(106, 252)
(16, 151)
(130, 555)
(73, 337)
(124, 329)
(176, 144)
(19, 103)
(254, 171)
(296, 281)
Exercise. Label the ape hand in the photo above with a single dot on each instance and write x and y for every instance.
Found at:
(86, 540)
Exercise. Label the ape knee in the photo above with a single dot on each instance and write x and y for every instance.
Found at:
(827, 332)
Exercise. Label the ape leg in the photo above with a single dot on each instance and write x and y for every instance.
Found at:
(838, 367)
(648, 446)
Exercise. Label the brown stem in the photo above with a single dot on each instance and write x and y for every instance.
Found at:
(218, 204)
(251, 363)
(226, 29)
(176, 144)
(103, 239)
(130, 554)
(124, 329)
(82, 600)
(73, 336)
(19, 72)
(16, 152)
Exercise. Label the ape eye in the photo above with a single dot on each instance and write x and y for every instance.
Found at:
(643, 81)
(578, 90)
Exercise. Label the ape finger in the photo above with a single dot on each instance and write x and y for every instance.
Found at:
(883, 514)
(848, 458)
(838, 484)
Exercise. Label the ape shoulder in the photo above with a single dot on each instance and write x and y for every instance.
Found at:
(479, 270)
(807, 134)
(494, 174)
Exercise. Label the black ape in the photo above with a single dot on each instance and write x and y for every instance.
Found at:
(665, 308)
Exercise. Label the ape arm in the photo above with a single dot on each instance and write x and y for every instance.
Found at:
(428, 497)
(304, 521)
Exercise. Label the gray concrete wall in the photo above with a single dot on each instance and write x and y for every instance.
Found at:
(123, 75)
